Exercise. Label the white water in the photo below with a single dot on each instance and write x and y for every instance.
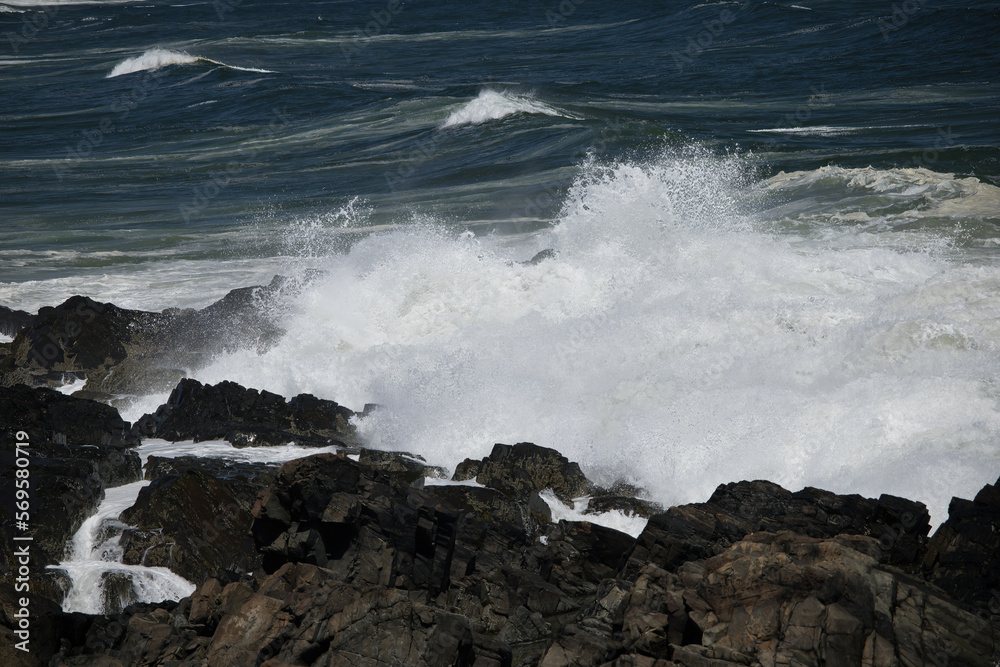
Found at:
(616, 519)
(493, 105)
(693, 329)
(92, 558)
(156, 58)
(95, 551)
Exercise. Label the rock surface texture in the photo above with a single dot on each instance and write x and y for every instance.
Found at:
(372, 559)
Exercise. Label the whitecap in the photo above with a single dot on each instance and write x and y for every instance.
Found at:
(493, 105)
(157, 58)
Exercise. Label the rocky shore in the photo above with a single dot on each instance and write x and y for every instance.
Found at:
(371, 558)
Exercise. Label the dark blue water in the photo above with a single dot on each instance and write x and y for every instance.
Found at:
(775, 223)
(356, 92)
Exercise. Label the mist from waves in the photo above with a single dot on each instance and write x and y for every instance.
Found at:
(696, 326)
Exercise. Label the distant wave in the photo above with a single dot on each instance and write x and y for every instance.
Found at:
(829, 130)
(156, 58)
(493, 105)
(915, 192)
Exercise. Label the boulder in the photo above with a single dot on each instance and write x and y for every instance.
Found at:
(963, 556)
(192, 523)
(702, 530)
(247, 417)
(121, 351)
(521, 469)
(76, 449)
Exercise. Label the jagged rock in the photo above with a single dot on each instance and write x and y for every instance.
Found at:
(192, 523)
(77, 448)
(122, 351)
(12, 321)
(701, 530)
(782, 598)
(364, 566)
(600, 504)
(963, 557)
(409, 466)
(524, 468)
(246, 417)
(244, 479)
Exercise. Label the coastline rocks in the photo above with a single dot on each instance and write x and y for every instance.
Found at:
(518, 470)
(963, 556)
(702, 530)
(246, 417)
(12, 321)
(121, 351)
(191, 523)
(76, 448)
(363, 566)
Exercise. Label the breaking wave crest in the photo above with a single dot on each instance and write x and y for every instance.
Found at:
(157, 58)
(675, 339)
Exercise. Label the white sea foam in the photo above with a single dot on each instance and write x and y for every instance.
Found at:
(95, 553)
(494, 104)
(618, 520)
(892, 194)
(156, 58)
(676, 340)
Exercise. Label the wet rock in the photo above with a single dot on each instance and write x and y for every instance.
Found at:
(247, 417)
(701, 530)
(628, 505)
(521, 469)
(409, 466)
(192, 523)
(122, 351)
(782, 598)
(540, 257)
(963, 556)
(12, 321)
(76, 449)
(244, 479)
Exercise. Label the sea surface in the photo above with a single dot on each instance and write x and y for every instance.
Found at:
(775, 226)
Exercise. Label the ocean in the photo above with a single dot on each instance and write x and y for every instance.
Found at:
(775, 226)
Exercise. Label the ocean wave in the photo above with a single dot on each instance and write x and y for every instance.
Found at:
(156, 58)
(493, 105)
(828, 130)
(674, 339)
(911, 193)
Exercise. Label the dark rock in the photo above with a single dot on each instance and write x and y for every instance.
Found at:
(524, 468)
(628, 505)
(192, 523)
(12, 321)
(701, 530)
(540, 257)
(122, 351)
(243, 478)
(246, 417)
(76, 449)
(963, 556)
(409, 467)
